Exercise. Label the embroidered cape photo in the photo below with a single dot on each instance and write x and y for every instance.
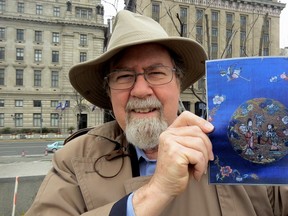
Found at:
(248, 105)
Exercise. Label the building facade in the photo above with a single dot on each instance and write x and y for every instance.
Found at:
(39, 42)
(226, 28)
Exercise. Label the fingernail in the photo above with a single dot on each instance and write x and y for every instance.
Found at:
(209, 127)
(211, 157)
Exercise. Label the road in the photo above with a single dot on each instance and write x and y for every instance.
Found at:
(28, 147)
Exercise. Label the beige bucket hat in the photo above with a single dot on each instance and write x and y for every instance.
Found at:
(132, 29)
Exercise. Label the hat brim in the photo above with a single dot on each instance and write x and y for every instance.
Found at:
(87, 77)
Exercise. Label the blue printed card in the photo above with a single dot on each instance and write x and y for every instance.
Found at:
(248, 105)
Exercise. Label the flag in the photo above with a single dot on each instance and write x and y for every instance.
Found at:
(66, 104)
(59, 105)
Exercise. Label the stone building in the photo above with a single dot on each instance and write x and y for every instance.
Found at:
(226, 28)
(39, 42)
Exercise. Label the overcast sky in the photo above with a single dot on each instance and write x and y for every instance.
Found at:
(110, 11)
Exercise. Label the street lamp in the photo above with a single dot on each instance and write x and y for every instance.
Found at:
(41, 119)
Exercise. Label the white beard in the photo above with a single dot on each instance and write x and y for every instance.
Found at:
(144, 133)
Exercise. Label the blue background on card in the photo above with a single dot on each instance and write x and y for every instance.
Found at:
(255, 82)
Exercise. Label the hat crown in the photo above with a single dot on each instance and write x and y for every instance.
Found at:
(132, 28)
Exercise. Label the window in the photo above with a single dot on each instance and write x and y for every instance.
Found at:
(183, 18)
(2, 5)
(19, 77)
(55, 79)
(69, 5)
(39, 9)
(83, 56)
(229, 51)
(199, 15)
(20, 7)
(54, 119)
(56, 11)
(228, 34)
(37, 78)
(199, 34)
(83, 40)
(242, 37)
(55, 56)
(266, 51)
(229, 19)
(2, 76)
(266, 38)
(2, 33)
(55, 37)
(2, 53)
(243, 20)
(1, 119)
(18, 119)
(2, 103)
(36, 103)
(242, 51)
(54, 103)
(214, 50)
(186, 104)
(215, 16)
(36, 119)
(37, 55)
(84, 13)
(20, 34)
(19, 54)
(214, 32)
(18, 103)
(100, 10)
(38, 36)
(156, 11)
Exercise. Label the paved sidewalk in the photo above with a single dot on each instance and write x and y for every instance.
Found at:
(25, 166)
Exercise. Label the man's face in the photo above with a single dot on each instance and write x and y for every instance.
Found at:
(150, 108)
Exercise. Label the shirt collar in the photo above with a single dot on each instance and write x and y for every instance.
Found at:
(140, 154)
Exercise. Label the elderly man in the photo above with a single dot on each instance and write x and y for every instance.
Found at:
(151, 160)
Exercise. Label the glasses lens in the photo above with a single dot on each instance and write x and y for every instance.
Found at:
(121, 79)
(159, 75)
(125, 79)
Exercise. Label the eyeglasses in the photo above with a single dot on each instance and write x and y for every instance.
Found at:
(121, 79)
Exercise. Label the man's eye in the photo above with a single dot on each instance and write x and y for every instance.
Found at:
(124, 77)
(156, 74)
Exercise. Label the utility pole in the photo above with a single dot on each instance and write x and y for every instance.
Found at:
(41, 118)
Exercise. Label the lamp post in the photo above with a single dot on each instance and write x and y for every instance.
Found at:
(41, 119)
(13, 116)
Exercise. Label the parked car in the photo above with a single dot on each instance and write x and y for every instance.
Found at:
(54, 146)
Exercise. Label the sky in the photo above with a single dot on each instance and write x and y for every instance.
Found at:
(111, 11)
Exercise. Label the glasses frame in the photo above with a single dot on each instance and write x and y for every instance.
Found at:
(136, 74)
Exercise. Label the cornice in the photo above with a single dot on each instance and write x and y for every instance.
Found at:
(44, 20)
(249, 6)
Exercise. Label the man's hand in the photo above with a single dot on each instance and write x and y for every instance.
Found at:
(184, 150)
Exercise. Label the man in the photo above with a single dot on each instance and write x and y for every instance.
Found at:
(112, 169)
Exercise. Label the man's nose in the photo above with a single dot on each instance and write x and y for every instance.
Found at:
(141, 87)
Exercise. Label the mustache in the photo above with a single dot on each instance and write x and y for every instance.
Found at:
(147, 103)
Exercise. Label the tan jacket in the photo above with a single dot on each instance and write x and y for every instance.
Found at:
(73, 187)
